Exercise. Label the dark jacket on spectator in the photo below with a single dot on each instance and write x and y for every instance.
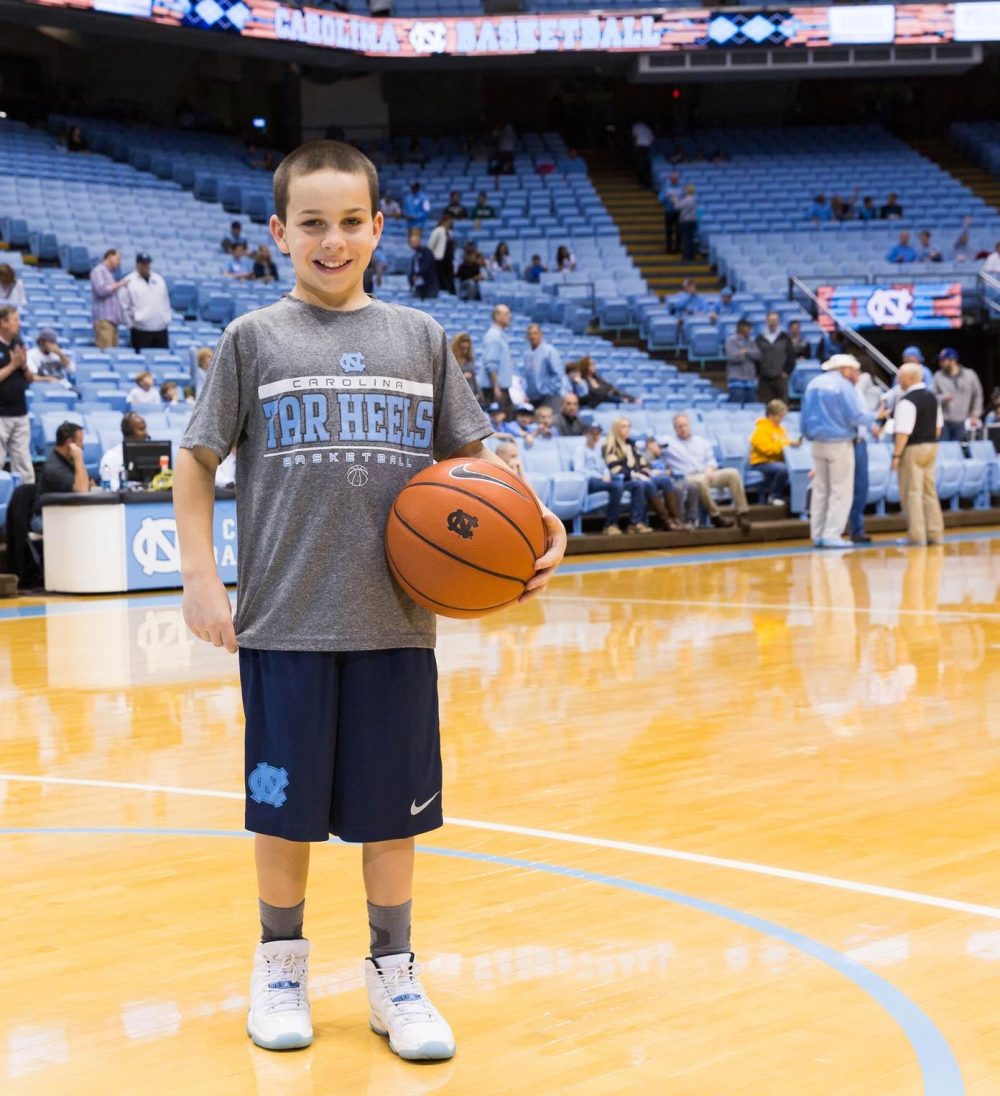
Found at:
(776, 358)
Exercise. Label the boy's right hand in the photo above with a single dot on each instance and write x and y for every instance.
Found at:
(208, 613)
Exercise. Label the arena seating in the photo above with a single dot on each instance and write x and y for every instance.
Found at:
(979, 141)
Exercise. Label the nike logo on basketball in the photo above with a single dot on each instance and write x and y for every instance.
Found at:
(414, 809)
(463, 471)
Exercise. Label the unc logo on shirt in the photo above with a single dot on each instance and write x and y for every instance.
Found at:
(353, 363)
(267, 784)
(462, 523)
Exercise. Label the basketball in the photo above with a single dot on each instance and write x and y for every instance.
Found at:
(463, 536)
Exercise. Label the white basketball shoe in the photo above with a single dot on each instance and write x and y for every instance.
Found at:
(401, 1009)
(279, 1017)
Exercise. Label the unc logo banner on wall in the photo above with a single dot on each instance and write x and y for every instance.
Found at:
(151, 550)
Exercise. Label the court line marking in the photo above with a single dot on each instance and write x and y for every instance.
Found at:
(746, 866)
(776, 606)
(644, 560)
(938, 1066)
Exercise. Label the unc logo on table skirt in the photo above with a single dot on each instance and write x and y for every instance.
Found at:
(153, 555)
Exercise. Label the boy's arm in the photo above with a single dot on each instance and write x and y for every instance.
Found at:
(206, 607)
(545, 566)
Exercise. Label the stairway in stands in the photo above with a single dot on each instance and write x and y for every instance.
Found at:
(980, 182)
(639, 217)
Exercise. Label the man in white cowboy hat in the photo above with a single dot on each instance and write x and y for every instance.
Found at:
(831, 415)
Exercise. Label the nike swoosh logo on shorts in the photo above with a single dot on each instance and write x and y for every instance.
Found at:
(414, 809)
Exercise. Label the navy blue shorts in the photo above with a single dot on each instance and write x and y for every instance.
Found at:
(342, 742)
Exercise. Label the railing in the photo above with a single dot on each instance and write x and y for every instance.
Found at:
(798, 289)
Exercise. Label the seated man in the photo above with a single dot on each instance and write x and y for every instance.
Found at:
(240, 265)
(689, 302)
(589, 461)
(63, 471)
(49, 362)
(233, 237)
(902, 252)
(523, 423)
(113, 460)
(568, 420)
(498, 420)
(508, 452)
(693, 458)
(545, 428)
(681, 498)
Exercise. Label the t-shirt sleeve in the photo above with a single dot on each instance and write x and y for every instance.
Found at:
(458, 418)
(219, 416)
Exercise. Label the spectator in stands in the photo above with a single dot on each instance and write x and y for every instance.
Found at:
(461, 347)
(669, 196)
(692, 458)
(498, 420)
(589, 461)
(204, 360)
(565, 259)
(568, 421)
(992, 264)
(442, 247)
(724, 306)
(497, 364)
(892, 210)
(902, 252)
(390, 208)
(455, 210)
(535, 271)
(49, 362)
(776, 361)
(768, 442)
(171, 394)
(64, 471)
(679, 497)
(843, 208)
(509, 453)
(798, 341)
(993, 415)
(642, 144)
(915, 354)
(483, 211)
(146, 304)
(630, 469)
(927, 252)
(75, 141)
(106, 307)
(831, 415)
(961, 394)
(423, 270)
(687, 213)
(11, 287)
(742, 358)
(471, 271)
(962, 247)
(234, 237)
(133, 427)
(240, 265)
(523, 424)
(501, 261)
(820, 211)
(918, 426)
(15, 376)
(868, 212)
(264, 267)
(544, 428)
(416, 207)
(688, 302)
(145, 392)
(591, 387)
(542, 370)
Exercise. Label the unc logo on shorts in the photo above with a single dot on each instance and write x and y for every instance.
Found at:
(462, 523)
(267, 784)
(353, 363)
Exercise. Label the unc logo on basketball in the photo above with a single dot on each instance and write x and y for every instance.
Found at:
(154, 546)
(353, 363)
(462, 523)
(267, 784)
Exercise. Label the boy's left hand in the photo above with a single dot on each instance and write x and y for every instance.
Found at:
(545, 566)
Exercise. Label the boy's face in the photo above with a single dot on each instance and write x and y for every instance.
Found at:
(330, 234)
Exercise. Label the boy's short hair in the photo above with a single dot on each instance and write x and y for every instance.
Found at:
(322, 156)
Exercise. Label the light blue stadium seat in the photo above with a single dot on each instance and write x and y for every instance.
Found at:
(567, 492)
(984, 451)
(975, 474)
(879, 469)
(8, 482)
(544, 458)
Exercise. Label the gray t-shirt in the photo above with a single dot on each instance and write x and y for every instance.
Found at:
(332, 413)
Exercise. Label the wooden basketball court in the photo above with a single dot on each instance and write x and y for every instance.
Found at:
(719, 824)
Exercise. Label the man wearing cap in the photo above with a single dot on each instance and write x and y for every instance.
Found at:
(919, 422)
(106, 307)
(146, 304)
(961, 394)
(831, 415)
(498, 420)
(495, 363)
(589, 461)
(742, 358)
(49, 362)
(914, 355)
(543, 372)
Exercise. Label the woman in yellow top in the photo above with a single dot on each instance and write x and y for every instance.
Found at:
(767, 452)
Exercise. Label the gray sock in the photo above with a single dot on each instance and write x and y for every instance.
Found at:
(389, 927)
(280, 922)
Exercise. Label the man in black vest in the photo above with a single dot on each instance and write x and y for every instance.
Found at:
(918, 424)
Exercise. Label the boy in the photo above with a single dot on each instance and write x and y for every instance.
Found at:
(334, 401)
